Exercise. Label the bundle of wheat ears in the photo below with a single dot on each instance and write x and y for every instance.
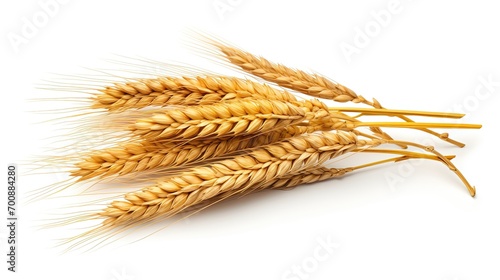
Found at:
(206, 138)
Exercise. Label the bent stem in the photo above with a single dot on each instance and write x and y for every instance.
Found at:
(445, 160)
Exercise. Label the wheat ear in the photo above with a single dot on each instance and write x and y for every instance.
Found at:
(185, 91)
(263, 164)
(134, 157)
(223, 119)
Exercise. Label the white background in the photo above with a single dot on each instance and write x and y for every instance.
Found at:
(429, 55)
